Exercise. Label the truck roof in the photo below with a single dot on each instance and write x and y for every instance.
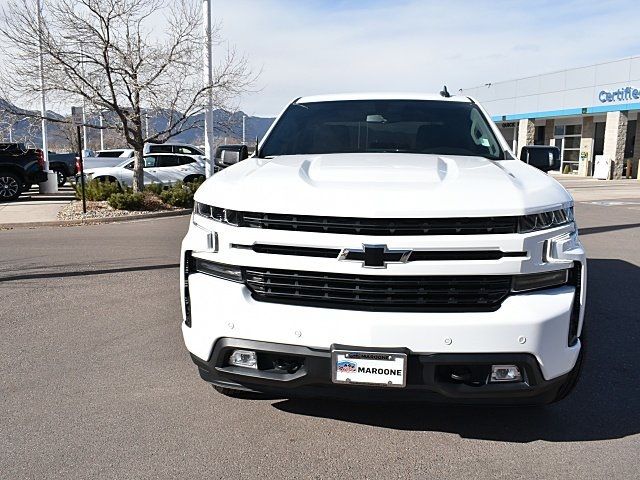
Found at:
(381, 96)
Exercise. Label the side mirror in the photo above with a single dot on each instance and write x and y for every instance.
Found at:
(229, 157)
(542, 157)
(231, 154)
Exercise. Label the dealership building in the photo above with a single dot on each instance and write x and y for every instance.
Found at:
(590, 113)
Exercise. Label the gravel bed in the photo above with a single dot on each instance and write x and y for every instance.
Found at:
(73, 211)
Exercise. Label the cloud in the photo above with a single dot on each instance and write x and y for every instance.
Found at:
(315, 47)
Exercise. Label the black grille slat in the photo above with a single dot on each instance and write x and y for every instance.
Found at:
(380, 226)
(387, 292)
(415, 256)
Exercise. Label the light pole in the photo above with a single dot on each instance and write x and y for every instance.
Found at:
(51, 184)
(244, 129)
(84, 107)
(101, 131)
(208, 79)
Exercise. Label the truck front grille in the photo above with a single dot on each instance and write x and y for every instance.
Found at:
(379, 292)
(379, 226)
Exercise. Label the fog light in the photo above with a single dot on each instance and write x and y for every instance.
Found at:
(244, 358)
(505, 373)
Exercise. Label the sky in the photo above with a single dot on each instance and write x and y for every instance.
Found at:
(305, 47)
(321, 46)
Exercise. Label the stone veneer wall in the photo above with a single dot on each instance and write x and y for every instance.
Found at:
(615, 136)
(526, 133)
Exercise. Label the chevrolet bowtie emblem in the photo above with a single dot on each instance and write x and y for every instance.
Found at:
(374, 256)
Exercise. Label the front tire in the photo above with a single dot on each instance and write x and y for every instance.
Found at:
(572, 379)
(242, 394)
(9, 187)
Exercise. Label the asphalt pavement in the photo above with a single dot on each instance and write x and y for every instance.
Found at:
(95, 381)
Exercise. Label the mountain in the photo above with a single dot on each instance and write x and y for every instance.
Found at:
(227, 125)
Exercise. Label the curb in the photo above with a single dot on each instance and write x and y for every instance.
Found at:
(96, 221)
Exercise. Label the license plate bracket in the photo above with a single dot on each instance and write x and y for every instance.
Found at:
(357, 367)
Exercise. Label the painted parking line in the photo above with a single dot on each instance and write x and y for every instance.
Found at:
(611, 203)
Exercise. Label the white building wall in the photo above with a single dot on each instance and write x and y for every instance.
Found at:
(566, 92)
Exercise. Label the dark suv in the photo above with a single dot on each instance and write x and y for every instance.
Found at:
(20, 167)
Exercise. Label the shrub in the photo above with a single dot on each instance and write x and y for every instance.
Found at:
(180, 194)
(151, 202)
(97, 190)
(155, 188)
(127, 201)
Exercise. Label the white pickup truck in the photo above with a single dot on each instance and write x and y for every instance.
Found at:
(388, 247)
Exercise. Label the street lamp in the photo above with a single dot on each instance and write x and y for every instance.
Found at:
(208, 79)
(51, 184)
(101, 131)
(244, 129)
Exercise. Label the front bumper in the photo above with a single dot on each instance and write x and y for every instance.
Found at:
(427, 376)
(530, 327)
(535, 323)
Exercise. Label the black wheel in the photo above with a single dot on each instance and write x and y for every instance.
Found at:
(62, 178)
(243, 394)
(9, 187)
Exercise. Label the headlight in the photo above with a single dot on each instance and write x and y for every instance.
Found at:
(545, 220)
(535, 281)
(220, 270)
(230, 217)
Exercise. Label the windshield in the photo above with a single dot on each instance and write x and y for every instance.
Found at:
(408, 126)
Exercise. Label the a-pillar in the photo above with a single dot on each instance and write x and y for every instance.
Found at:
(526, 133)
(615, 136)
(586, 146)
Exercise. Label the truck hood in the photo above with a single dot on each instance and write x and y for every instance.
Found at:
(384, 185)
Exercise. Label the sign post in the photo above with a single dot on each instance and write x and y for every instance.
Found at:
(77, 115)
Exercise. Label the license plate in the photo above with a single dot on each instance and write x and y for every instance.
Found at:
(369, 368)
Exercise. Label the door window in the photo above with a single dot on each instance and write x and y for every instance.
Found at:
(188, 150)
(168, 161)
(150, 162)
(160, 149)
(187, 160)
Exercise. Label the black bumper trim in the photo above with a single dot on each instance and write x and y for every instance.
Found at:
(313, 378)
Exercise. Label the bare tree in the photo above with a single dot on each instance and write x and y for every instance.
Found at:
(126, 57)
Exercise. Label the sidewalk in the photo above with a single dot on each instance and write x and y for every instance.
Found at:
(33, 207)
(586, 189)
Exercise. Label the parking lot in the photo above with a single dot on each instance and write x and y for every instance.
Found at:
(95, 380)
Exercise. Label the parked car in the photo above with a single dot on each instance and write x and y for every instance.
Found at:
(20, 167)
(170, 147)
(163, 168)
(385, 247)
(64, 164)
(106, 158)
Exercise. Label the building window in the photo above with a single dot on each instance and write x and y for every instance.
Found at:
(567, 138)
(631, 139)
(539, 137)
(573, 130)
(598, 139)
